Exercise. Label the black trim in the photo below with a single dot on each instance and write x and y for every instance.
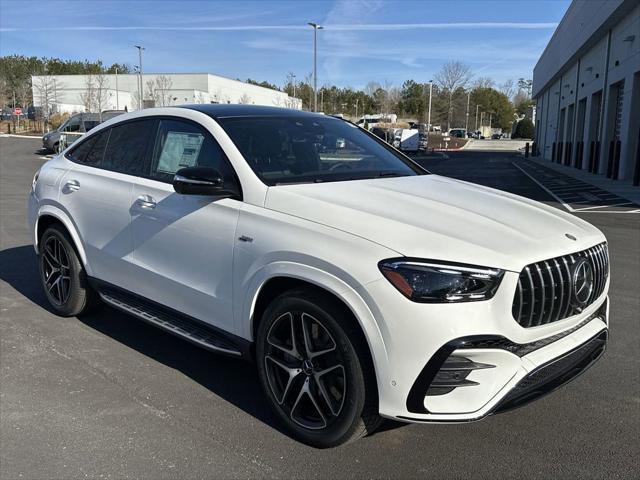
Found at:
(242, 345)
(415, 398)
(543, 380)
(552, 375)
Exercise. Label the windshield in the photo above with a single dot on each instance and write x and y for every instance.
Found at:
(283, 150)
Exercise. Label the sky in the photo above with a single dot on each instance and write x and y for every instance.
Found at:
(362, 41)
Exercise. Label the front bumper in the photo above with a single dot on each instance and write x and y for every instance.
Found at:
(511, 365)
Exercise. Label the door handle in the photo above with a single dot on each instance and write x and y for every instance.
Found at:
(72, 186)
(146, 201)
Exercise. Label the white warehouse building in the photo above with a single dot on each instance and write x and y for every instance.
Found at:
(74, 93)
(587, 90)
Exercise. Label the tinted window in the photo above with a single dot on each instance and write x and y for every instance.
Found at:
(79, 153)
(183, 144)
(312, 149)
(127, 147)
(96, 154)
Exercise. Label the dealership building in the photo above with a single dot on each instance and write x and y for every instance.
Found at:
(586, 86)
(71, 93)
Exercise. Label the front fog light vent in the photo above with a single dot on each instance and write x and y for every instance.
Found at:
(453, 374)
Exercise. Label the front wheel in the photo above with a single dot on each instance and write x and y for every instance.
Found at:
(62, 275)
(310, 365)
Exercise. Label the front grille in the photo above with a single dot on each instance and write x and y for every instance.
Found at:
(545, 291)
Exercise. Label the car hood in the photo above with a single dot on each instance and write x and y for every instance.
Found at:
(435, 217)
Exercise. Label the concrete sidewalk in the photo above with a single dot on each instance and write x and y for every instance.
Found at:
(622, 188)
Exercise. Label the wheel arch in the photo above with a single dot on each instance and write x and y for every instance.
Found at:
(49, 215)
(275, 281)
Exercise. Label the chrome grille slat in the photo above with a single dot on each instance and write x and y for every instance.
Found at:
(532, 303)
(567, 300)
(544, 291)
(542, 294)
(561, 290)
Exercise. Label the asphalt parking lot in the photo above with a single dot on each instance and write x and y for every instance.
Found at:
(108, 396)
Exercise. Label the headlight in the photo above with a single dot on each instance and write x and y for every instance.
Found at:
(432, 281)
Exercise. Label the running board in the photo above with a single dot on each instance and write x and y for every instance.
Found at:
(191, 330)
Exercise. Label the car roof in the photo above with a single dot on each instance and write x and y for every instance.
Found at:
(241, 110)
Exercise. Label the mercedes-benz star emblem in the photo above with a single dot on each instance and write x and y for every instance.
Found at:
(582, 281)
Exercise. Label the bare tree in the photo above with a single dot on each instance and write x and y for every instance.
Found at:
(484, 82)
(163, 87)
(88, 96)
(151, 92)
(44, 86)
(452, 76)
(244, 99)
(101, 93)
(508, 88)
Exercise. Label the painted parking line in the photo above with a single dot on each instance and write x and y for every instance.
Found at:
(573, 194)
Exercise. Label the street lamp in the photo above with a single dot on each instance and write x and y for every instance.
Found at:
(466, 122)
(315, 27)
(429, 114)
(477, 107)
(141, 88)
(293, 79)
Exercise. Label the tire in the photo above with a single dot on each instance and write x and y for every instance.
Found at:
(321, 386)
(62, 276)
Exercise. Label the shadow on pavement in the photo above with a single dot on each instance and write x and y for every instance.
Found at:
(235, 381)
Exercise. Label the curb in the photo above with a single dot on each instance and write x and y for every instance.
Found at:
(13, 135)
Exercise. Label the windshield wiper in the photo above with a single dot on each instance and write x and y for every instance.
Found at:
(390, 174)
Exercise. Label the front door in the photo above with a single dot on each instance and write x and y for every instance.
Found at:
(183, 244)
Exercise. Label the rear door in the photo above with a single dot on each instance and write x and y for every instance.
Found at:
(183, 244)
(97, 193)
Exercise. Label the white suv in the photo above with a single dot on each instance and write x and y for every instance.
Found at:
(361, 285)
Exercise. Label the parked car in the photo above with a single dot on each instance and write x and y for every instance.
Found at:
(360, 284)
(74, 127)
(496, 136)
(458, 133)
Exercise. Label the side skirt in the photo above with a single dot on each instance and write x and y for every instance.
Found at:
(172, 321)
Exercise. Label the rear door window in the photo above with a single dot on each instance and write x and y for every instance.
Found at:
(126, 150)
(79, 153)
(94, 157)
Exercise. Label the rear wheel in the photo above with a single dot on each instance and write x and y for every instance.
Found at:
(63, 277)
(311, 369)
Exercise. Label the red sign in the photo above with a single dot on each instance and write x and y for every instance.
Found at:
(17, 111)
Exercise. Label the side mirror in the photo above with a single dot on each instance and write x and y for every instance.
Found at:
(200, 181)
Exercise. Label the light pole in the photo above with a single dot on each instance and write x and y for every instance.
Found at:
(293, 79)
(141, 89)
(315, 27)
(466, 122)
(117, 99)
(477, 107)
(429, 114)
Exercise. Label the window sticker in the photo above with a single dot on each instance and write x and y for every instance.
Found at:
(180, 150)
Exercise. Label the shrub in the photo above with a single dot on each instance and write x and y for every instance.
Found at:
(56, 119)
(524, 129)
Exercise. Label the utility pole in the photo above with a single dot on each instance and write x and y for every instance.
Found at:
(357, 100)
(315, 27)
(117, 99)
(429, 114)
(477, 107)
(141, 89)
(466, 123)
(293, 77)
